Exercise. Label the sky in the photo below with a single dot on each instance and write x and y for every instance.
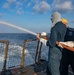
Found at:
(33, 15)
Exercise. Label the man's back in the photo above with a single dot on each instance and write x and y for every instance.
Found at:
(67, 55)
(57, 33)
(69, 34)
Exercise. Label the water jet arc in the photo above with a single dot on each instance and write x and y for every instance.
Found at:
(14, 26)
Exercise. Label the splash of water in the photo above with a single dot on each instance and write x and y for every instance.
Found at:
(14, 26)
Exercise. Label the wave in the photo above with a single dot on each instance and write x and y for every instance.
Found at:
(15, 51)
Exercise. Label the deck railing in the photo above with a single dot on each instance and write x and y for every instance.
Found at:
(37, 55)
(6, 53)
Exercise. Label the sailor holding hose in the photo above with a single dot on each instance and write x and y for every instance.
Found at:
(58, 31)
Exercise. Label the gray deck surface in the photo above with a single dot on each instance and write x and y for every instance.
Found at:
(35, 69)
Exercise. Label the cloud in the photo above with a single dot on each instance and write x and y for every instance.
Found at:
(55, 2)
(11, 1)
(18, 4)
(41, 7)
(8, 3)
(20, 12)
(35, 1)
(14, 5)
(29, 4)
(64, 7)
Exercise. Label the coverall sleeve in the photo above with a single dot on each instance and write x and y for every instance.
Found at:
(53, 37)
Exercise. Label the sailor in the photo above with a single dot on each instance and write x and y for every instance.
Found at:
(58, 31)
(67, 54)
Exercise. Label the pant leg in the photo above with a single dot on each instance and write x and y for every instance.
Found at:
(72, 66)
(65, 61)
(72, 61)
(48, 71)
(54, 60)
(64, 66)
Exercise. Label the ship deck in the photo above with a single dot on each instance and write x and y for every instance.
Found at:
(34, 69)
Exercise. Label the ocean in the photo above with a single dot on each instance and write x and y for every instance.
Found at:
(15, 49)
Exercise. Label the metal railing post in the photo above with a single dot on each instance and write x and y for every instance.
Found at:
(5, 57)
(37, 51)
(23, 55)
(39, 55)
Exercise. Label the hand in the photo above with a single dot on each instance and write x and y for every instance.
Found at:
(45, 38)
(57, 42)
(38, 36)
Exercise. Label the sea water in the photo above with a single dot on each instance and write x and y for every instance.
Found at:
(15, 49)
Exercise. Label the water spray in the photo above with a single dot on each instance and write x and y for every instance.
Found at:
(14, 26)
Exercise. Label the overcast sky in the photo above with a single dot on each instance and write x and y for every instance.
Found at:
(33, 15)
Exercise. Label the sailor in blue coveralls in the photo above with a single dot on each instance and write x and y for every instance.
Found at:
(58, 31)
